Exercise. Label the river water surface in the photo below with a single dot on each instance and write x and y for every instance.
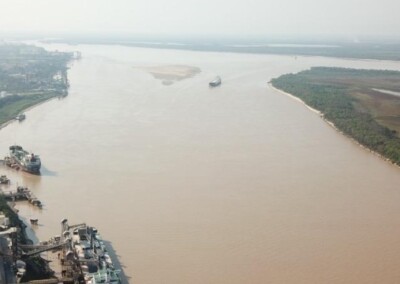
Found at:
(235, 184)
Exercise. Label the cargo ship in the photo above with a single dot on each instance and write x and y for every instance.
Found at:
(216, 82)
(26, 161)
(94, 261)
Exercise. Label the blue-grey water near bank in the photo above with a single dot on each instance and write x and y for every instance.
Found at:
(191, 184)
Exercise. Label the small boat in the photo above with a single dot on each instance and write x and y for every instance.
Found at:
(216, 82)
(20, 117)
(4, 179)
(36, 202)
(34, 221)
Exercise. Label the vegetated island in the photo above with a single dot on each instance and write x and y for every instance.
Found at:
(30, 75)
(363, 104)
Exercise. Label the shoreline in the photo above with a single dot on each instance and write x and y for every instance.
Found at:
(224, 48)
(297, 99)
(11, 120)
(30, 237)
(330, 123)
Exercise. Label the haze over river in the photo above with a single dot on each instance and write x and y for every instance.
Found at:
(234, 184)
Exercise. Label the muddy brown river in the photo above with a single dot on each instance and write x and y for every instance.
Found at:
(191, 184)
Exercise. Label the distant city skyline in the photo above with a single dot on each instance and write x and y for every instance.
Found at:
(351, 18)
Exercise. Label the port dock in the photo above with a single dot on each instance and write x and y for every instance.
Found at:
(22, 193)
(78, 256)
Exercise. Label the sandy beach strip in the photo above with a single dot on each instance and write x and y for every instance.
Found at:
(297, 99)
(171, 72)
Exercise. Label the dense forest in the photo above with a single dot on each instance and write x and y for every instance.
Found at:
(364, 104)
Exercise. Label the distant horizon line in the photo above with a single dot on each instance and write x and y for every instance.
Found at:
(239, 38)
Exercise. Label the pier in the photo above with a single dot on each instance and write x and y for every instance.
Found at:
(22, 193)
(64, 271)
(78, 255)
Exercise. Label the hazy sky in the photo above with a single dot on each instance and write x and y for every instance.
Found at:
(203, 17)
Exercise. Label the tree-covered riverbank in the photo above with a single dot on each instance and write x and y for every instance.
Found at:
(28, 76)
(356, 101)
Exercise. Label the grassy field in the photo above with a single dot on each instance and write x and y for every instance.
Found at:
(364, 104)
(383, 107)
